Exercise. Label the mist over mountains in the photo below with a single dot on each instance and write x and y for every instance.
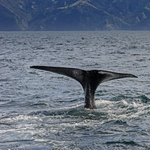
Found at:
(65, 15)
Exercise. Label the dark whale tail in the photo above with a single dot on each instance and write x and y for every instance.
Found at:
(88, 79)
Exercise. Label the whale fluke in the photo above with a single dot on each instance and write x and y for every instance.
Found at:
(89, 79)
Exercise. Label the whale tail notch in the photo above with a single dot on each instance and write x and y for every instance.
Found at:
(89, 80)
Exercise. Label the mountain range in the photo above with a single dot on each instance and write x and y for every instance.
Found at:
(66, 15)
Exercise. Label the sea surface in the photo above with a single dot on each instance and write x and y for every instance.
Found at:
(44, 110)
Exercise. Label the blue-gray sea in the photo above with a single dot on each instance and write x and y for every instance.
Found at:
(44, 110)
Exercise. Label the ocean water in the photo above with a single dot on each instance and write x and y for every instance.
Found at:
(43, 110)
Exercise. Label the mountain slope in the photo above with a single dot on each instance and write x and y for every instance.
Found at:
(74, 15)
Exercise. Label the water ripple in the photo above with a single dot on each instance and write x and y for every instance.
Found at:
(42, 110)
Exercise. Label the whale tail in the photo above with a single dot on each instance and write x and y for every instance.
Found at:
(89, 80)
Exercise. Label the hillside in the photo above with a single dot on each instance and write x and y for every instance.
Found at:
(74, 15)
